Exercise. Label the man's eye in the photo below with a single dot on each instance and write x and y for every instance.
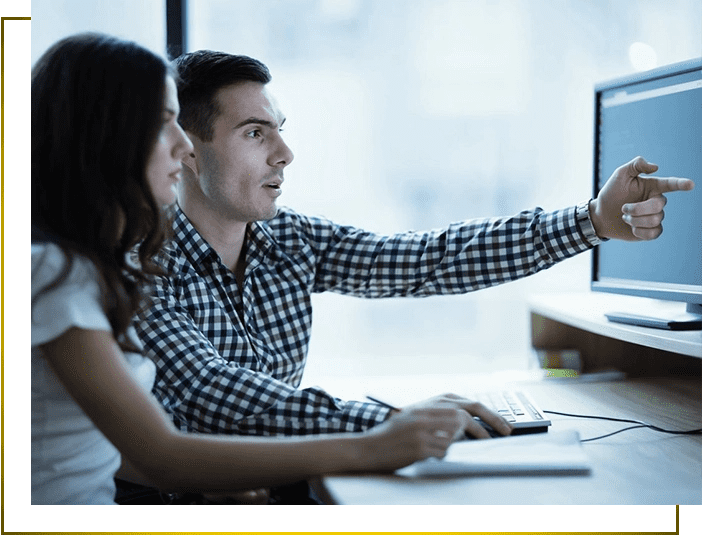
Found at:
(254, 133)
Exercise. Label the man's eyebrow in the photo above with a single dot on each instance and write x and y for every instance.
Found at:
(263, 122)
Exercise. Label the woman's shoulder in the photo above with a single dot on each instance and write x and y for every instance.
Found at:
(47, 254)
(50, 261)
(65, 294)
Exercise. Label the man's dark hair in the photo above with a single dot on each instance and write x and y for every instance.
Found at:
(201, 75)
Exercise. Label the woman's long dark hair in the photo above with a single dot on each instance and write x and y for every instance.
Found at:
(97, 107)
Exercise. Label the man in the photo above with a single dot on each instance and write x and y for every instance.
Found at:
(229, 324)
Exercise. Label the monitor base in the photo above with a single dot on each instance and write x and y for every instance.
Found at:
(689, 321)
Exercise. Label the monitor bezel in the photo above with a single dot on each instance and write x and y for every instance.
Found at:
(692, 295)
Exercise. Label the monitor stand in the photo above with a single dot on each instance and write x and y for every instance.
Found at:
(691, 320)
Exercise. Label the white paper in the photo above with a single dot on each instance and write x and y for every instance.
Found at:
(548, 453)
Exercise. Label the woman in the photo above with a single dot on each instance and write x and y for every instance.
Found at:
(106, 154)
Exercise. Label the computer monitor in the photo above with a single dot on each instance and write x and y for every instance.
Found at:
(657, 115)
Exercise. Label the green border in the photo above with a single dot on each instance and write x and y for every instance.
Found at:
(19, 515)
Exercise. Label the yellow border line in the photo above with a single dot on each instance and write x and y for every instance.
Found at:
(2, 260)
(2, 268)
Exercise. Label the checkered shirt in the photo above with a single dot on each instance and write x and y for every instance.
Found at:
(231, 360)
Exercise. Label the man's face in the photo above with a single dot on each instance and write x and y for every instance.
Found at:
(239, 172)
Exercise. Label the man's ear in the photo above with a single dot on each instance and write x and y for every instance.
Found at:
(189, 160)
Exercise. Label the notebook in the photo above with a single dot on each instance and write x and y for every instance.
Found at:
(554, 453)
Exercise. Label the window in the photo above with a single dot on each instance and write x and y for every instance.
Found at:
(144, 22)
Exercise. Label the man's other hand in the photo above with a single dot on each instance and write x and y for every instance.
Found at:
(473, 409)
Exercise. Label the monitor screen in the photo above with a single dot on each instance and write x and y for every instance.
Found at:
(657, 115)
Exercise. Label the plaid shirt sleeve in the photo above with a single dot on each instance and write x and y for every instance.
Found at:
(463, 257)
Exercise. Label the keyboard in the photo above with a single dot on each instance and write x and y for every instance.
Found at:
(518, 408)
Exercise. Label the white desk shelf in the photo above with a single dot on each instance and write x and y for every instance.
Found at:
(577, 321)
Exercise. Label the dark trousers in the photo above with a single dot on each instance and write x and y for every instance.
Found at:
(132, 494)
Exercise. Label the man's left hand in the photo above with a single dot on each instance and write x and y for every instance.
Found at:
(630, 206)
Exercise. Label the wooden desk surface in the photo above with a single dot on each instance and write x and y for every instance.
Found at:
(639, 466)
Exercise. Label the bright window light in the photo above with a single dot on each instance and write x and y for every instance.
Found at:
(642, 56)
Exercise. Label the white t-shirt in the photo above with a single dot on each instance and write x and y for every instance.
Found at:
(72, 461)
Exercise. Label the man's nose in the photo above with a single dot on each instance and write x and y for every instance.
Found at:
(282, 156)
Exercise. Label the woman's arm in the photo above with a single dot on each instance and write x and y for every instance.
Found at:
(92, 368)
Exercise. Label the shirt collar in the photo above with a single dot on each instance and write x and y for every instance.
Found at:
(190, 240)
(259, 247)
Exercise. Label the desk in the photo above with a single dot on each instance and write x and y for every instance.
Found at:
(640, 466)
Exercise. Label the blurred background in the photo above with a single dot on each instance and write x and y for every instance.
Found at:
(411, 114)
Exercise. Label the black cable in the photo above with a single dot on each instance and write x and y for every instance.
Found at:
(638, 425)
